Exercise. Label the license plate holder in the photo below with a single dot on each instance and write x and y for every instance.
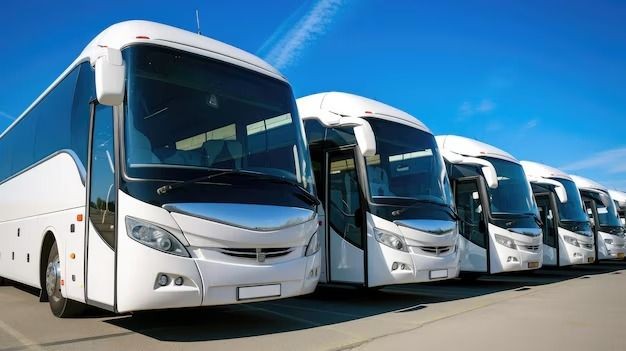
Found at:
(438, 274)
(533, 264)
(590, 259)
(258, 291)
(620, 255)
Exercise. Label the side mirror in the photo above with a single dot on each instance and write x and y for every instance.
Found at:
(559, 189)
(109, 68)
(365, 138)
(489, 171)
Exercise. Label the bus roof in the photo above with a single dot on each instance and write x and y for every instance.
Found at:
(345, 104)
(471, 147)
(618, 196)
(543, 171)
(587, 184)
(126, 33)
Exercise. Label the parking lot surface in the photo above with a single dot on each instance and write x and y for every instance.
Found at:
(574, 308)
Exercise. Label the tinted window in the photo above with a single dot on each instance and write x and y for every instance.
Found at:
(102, 197)
(470, 211)
(513, 194)
(59, 121)
(547, 217)
(344, 207)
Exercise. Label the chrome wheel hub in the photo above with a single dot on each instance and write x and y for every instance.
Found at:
(53, 277)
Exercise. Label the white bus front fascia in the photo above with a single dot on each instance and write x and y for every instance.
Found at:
(488, 170)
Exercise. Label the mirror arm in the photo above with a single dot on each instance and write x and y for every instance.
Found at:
(489, 171)
(559, 189)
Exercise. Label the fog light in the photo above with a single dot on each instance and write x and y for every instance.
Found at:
(403, 266)
(163, 280)
(394, 266)
(512, 259)
(577, 254)
(179, 281)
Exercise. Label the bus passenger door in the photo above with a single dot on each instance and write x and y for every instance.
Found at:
(473, 226)
(344, 219)
(592, 212)
(550, 229)
(101, 207)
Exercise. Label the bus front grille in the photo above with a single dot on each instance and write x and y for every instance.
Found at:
(259, 254)
(436, 250)
(532, 248)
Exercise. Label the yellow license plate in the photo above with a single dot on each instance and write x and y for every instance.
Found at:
(533, 264)
(620, 255)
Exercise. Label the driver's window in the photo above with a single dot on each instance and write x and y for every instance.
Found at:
(102, 197)
(344, 195)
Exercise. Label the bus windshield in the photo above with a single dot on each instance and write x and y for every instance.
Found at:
(407, 166)
(607, 212)
(187, 114)
(513, 194)
(572, 210)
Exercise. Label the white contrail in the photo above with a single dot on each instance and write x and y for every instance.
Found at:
(7, 116)
(286, 45)
(611, 161)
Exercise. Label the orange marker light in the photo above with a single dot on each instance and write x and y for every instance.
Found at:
(142, 37)
(62, 282)
(79, 217)
(72, 255)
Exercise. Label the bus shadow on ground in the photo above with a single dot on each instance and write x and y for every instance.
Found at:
(332, 305)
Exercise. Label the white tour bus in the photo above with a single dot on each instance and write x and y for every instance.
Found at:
(567, 234)
(162, 169)
(499, 219)
(620, 201)
(389, 211)
(607, 227)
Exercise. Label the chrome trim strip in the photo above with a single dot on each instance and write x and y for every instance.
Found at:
(432, 226)
(526, 231)
(247, 216)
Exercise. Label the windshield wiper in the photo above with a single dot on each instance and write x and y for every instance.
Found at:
(254, 175)
(425, 202)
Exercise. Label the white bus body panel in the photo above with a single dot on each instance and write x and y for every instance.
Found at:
(502, 258)
(570, 254)
(210, 277)
(520, 257)
(46, 197)
(610, 251)
(380, 257)
(473, 257)
(346, 260)
(100, 270)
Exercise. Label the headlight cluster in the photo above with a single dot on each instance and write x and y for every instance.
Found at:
(313, 246)
(392, 240)
(571, 240)
(154, 237)
(503, 240)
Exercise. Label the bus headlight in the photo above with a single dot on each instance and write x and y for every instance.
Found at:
(389, 239)
(570, 240)
(313, 246)
(503, 240)
(154, 237)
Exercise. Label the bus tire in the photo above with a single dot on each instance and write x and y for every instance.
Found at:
(60, 306)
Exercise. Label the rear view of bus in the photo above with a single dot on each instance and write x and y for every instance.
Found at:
(389, 212)
(499, 218)
(607, 227)
(567, 234)
(191, 156)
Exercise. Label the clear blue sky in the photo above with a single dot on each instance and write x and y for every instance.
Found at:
(543, 80)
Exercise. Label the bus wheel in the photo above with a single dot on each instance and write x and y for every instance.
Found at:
(60, 306)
